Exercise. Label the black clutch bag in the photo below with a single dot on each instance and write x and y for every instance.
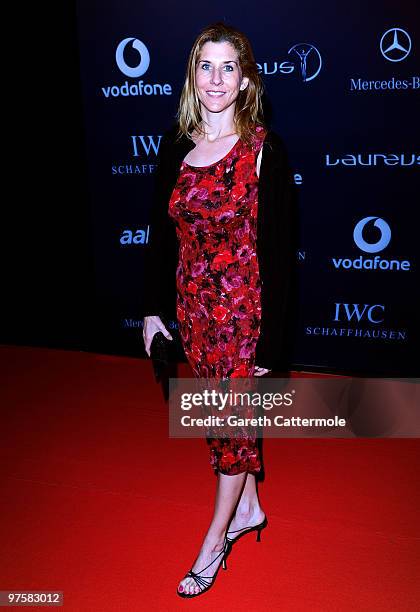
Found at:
(159, 353)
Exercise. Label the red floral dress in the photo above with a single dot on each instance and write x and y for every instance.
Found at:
(218, 304)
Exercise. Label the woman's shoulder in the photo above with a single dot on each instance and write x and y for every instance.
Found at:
(271, 140)
(273, 143)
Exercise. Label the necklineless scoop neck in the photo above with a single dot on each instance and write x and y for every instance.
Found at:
(216, 162)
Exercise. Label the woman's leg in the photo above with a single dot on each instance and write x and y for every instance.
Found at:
(248, 511)
(227, 494)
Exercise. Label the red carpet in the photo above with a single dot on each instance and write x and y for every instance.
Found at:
(99, 503)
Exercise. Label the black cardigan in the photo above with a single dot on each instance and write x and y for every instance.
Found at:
(276, 245)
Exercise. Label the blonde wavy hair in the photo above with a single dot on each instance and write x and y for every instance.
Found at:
(248, 106)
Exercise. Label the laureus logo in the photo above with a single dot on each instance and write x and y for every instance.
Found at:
(309, 58)
(305, 59)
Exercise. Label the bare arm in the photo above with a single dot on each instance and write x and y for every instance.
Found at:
(260, 371)
(259, 162)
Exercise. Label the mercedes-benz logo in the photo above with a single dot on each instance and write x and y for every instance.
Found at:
(395, 44)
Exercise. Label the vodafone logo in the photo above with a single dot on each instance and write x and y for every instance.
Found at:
(371, 263)
(137, 54)
(144, 58)
(372, 247)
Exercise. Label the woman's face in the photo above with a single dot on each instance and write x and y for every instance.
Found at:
(218, 77)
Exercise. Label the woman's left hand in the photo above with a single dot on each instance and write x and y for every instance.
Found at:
(260, 371)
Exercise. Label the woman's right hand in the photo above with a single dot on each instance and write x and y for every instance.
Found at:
(152, 325)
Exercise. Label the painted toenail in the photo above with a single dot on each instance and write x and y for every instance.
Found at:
(180, 588)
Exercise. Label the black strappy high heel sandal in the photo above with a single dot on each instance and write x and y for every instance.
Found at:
(206, 582)
(258, 528)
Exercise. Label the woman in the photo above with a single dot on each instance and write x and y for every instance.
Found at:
(223, 255)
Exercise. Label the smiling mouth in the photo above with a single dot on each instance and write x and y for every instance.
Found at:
(215, 94)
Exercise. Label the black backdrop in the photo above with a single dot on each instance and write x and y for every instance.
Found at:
(47, 262)
(79, 283)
